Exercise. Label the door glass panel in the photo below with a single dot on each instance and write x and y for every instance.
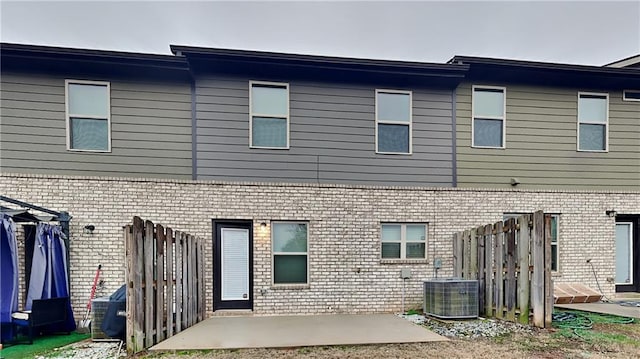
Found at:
(623, 253)
(235, 264)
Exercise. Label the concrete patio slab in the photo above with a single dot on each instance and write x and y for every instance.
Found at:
(297, 331)
(604, 308)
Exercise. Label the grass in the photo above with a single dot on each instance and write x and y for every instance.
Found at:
(41, 345)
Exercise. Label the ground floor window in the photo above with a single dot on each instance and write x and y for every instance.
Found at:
(403, 240)
(290, 252)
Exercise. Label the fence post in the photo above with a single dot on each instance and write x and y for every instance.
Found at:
(481, 268)
(160, 283)
(170, 281)
(488, 274)
(511, 270)
(523, 273)
(458, 246)
(129, 279)
(138, 314)
(537, 283)
(498, 296)
(473, 254)
(548, 286)
(149, 299)
(185, 280)
(178, 262)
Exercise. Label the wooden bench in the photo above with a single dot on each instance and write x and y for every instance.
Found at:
(43, 312)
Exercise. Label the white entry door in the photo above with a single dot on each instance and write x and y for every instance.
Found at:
(234, 264)
(624, 253)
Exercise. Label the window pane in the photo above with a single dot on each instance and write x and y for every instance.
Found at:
(592, 137)
(592, 108)
(268, 100)
(89, 134)
(415, 250)
(289, 237)
(554, 229)
(391, 232)
(393, 107)
(269, 132)
(290, 269)
(393, 138)
(487, 133)
(488, 103)
(415, 233)
(632, 95)
(390, 250)
(88, 100)
(554, 257)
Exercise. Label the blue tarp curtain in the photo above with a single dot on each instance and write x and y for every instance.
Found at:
(49, 270)
(8, 275)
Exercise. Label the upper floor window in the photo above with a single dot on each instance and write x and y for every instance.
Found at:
(290, 252)
(403, 241)
(489, 113)
(88, 110)
(269, 115)
(593, 118)
(631, 95)
(393, 121)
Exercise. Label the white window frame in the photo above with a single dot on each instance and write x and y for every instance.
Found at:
(252, 114)
(410, 124)
(403, 240)
(606, 123)
(274, 253)
(503, 118)
(68, 115)
(624, 96)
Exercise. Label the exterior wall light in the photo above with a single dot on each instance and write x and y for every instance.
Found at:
(89, 229)
(611, 213)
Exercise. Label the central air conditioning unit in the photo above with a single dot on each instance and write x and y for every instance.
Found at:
(98, 310)
(451, 298)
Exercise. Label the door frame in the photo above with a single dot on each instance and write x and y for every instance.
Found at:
(217, 225)
(635, 259)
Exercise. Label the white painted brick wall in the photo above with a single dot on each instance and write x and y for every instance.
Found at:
(344, 223)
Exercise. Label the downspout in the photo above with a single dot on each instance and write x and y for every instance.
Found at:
(454, 159)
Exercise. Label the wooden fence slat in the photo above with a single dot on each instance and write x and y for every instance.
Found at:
(185, 281)
(498, 296)
(129, 274)
(537, 281)
(488, 275)
(138, 314)
(203, 300)
(149, 299)
(466, 265)
(473, 254)
(481, 269)
(191, 281)
(510, 291)
(160, 284)
(170, 281)
(179, 294)
(457, 254)
(548, 287)
(523, 272)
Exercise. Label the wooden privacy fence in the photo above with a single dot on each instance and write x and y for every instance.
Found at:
(165, 283)
(512, 262)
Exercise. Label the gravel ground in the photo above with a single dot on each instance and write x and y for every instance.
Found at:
(482, 328)
(88, 350)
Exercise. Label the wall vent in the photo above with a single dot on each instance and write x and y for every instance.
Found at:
(451, 298)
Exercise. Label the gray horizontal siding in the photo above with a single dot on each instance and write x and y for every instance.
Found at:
(541, 143)
(150, 129)
(332, 136)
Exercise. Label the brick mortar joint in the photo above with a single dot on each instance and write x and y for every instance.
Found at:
(218, 183)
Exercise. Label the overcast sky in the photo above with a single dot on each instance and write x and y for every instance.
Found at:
(592, 33)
